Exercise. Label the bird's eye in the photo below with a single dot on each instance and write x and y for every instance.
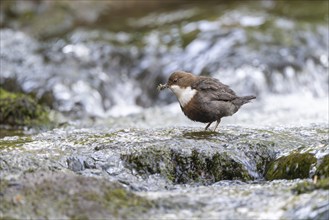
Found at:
(175, 80)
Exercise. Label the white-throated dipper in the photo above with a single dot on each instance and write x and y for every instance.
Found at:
(204, 99)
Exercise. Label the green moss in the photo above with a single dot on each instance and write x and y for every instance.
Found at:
(189, 37)
(323, 169)
(322, 130)
(77, 197)
(13, 143)
(200, 168)
(308, 186)
(188, 168)
(150, 162)
(30, 170)
(120, 199)
(7, 218)
(106, 139)
(3, 184)
(199, 134)
(302, 11)
(180, 168)
(11, 132)
(293, 166)
(79, 217)
(18, 109)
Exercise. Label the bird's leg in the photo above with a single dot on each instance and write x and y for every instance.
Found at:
(217, 123)
(208, 126)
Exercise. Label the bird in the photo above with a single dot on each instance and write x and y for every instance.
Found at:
(204, 99)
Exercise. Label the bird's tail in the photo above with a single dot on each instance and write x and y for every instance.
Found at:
(244, 99)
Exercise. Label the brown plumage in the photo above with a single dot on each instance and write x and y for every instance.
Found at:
(204, 99)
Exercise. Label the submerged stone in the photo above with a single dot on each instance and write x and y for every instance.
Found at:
(293, 166)
(307, 186)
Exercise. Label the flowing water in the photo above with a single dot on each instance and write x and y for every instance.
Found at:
(112, 66)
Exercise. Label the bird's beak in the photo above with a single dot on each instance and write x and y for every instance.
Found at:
(162, 87)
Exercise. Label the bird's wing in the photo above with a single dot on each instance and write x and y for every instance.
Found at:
(215, 89)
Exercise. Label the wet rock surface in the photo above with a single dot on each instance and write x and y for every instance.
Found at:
(169, 172)
(240, 200)
(68, 196)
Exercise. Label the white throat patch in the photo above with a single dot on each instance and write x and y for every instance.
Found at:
(184, 95)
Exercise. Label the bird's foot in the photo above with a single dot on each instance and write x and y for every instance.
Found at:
(207, 126)
(217, 123)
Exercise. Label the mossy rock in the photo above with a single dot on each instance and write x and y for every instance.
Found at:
(181, 168)
(14, 142)
(150, 161)
(68, 196)
(18, 109)
(207, 169)
(323, 169)
(308, 186)
(290, 167)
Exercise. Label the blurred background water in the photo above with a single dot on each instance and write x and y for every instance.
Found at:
(104, 59)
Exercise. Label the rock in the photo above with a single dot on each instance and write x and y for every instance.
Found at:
(75, 163)
(178, 155)
(308, 186)
(168, 172)
(18, 109)
(196, 167)
(68, 196)
(289, 167)
(323, 168)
